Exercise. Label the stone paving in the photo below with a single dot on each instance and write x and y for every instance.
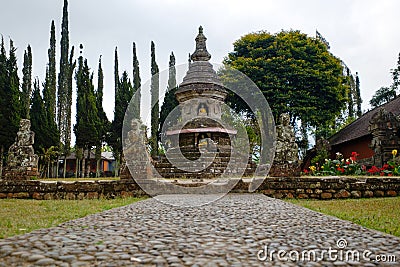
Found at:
(236, 230)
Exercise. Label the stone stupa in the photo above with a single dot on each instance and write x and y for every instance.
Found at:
(199, 132)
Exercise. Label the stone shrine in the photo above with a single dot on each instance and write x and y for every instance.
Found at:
(199, 144)
(286, 161)
(384, 128)
(22, 162)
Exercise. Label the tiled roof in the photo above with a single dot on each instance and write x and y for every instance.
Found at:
(104, 155)
(359, 127)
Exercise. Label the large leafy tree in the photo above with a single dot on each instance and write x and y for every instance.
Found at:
(170, 101)
(386, 94)
(382, 96)
(396, 75)
(155, 108)
(296, 73)
(87, 121)
(26, 83)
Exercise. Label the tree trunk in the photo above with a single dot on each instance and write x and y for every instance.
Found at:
(83, 166)
(1, 161)
(48, 169)
(76, 167)
(52, 169)
(117, 161)
(98, 168)
(88, 164)
(65, 166)
(98, 160)
(57, 166)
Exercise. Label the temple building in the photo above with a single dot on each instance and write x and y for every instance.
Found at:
(373, 136)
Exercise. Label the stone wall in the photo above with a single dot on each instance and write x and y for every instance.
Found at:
(313, 188)
(69, 190)
(330, 187)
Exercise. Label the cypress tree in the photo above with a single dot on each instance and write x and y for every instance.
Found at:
(123, 95)
(116, 76)
(86, 112)
(115, 135)
(4, 105)
(13, 86)
(38, 118)
(65, 87)
(10, 105)
(49, 93)
(154, 90)
(170, 101)
(3, 117)
(350, 91)
(123, 98)
(103, 120)
(136, 84)
(358, 100)
(26, 83)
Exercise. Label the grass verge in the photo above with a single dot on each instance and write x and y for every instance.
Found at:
(20, 216)
(382, 214)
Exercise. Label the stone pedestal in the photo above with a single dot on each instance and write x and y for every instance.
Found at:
(22, 162)
(285, 169)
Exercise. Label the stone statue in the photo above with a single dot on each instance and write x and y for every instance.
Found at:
(135, 153)
(286, 147)
(202, 110)
(22, 162)
(286, 161)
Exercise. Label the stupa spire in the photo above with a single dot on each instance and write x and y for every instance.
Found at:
(201, 53)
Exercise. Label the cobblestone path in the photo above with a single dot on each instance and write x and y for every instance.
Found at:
(237, 230)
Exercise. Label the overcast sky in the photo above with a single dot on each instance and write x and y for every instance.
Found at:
(363, 33)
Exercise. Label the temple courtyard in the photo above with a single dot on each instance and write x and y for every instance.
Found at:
(236, 230)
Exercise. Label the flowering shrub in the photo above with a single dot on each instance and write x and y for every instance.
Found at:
(341, 166)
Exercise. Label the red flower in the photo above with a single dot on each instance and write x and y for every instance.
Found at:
(384, 167)
(305, 171)
(340, 169)
(382, 174)
(354, 156)
(374, 170)
(390, 174)
(348, 162)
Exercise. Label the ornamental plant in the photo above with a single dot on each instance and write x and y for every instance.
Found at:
(392, 167)
(341, 166)
(338, 166)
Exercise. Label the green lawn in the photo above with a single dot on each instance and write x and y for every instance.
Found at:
(19, 216)
(72, 179)
(382, 214)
